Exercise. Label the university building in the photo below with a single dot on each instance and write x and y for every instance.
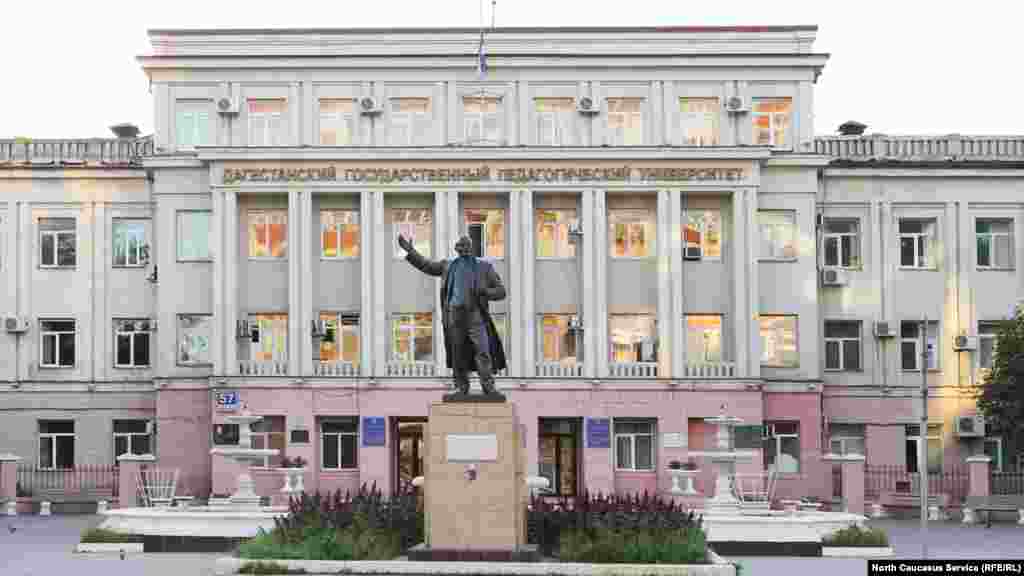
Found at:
(673, 237)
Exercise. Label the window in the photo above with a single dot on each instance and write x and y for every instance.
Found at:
(988, 332)
(699, 121)
(842, 345)
(412, 338)
(703, 338)
(841, 243)
(781, 446)
(131, 437)
(634, 338)
(57, 242)
(778, 234)
(481, 120)
(415, 224)
(225, 435)
(269, 433)
(130, 247)
(487, 230)
(933, 447)
(771, 118)
(192, 123)
(846, 439)
(193, 235)
(995, 243)
(269, 339)
(625, 121)
(131, 343)
(558, 343)
(337, 122)
(704, 232)
(339, 444)
(917, 239)
(910, 341)
(57, 342)
(268, 233)
(994, 449)
(56, 444)
(266, 122)
(410, 121)
(632, 233)
(553, 234)
(339, 234)
(634, 446)
(779, 341)
(554, 121)
(194, 339)
(341, 337)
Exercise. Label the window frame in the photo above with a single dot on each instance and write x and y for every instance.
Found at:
(844, 437)
(341, 323)
(56, 334)
(272, 325)
(632, 439)
(714, 115)
(997, 460)
(562, 336)
(653, 336)
(926, 241)
(350, 214)
(796, 339)
(354, 420)
(193, 109)
(337, 121)
(557, 226)
(425, 250)
(612, 138)
(52, 437)
(271, 139)
(562, 121)
(179, 235)
(702, 229)
(788, 114)
(482, 117)
(934, 432)
(266, 437)
(629, 215)
(775, 438)
(987, 330)
(794, 236)
(840, 250)
(56, 234)
(119, 323)
(413, 327)
(932, 341)
(269, 216)
(131, 436)
(409, 119)
(841, 341)
(235, 437)
(1011, 242)
(137, 228)
(207, 320)
(485, 227)
(688, 331)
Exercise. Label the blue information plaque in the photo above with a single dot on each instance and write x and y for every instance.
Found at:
(374, 431)
(598, 433)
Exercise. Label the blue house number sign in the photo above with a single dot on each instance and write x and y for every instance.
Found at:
(598, 433)
(373, 431)
(227, 400)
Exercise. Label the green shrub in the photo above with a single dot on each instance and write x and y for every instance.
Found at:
(104, 536)
(855, 536)
(268, 568)
(356, 542)
(645, 546)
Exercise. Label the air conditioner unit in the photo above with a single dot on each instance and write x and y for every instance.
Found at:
(242, 329)
(833, 277)
(736, 105)
(970, 426)
(965, 343)
(587, 105)
(368, 106)
(15, 324)
(885, 330)
(227, 105)
(693, 253)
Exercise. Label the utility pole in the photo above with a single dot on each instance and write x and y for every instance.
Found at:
(922, 441)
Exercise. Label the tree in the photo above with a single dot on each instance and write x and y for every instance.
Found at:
(1002, 390)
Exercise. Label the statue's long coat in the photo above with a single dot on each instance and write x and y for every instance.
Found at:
(489, 287)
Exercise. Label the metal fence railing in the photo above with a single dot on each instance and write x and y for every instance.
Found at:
(84, 482)
(1007, 483)
(893, 483)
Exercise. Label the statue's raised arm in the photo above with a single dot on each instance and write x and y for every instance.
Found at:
(418, 261)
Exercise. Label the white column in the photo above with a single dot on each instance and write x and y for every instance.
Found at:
(664, 252)
(873, 235)
(678, 329)
(25, 268)
(95, 257)
(230, 259)
(295, 327)
(382, 257)
(589, 303)
(751, 240)
(528, 286)
(295, 113)
(441, 225)
(367, 295)
(513, 285)
(600, 256)
(741, 316)
(220, 338)
(307, 225)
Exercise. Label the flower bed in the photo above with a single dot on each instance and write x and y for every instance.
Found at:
(856, 542)
(103, 536)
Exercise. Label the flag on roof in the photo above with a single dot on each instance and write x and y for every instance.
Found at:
(481, 65)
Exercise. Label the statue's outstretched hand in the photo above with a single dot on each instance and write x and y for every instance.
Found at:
(404, 243)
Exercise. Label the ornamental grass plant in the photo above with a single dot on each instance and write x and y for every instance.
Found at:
(855, 536)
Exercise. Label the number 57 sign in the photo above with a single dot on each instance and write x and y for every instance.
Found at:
(227, 400)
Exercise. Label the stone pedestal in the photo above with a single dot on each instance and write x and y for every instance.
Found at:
(475, 492)
(9, 482)
(128, 466)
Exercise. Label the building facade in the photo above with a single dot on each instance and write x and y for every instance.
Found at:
(673, 237)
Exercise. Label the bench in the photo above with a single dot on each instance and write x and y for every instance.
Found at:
(993, 503)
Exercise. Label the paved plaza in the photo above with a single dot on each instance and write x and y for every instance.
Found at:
(42, 546)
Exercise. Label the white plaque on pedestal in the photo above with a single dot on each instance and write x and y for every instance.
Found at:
(673, 440)
(472, 448)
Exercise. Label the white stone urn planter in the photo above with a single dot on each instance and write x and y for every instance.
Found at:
(688, 475)
(293, 480)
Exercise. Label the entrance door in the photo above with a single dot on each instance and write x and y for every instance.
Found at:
(560, 455)
(408, 455)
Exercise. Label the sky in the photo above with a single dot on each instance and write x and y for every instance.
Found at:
(899, 66)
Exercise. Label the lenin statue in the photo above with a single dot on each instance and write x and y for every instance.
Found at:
(470, 338)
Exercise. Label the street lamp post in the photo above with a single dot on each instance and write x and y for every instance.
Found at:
(922, 442)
